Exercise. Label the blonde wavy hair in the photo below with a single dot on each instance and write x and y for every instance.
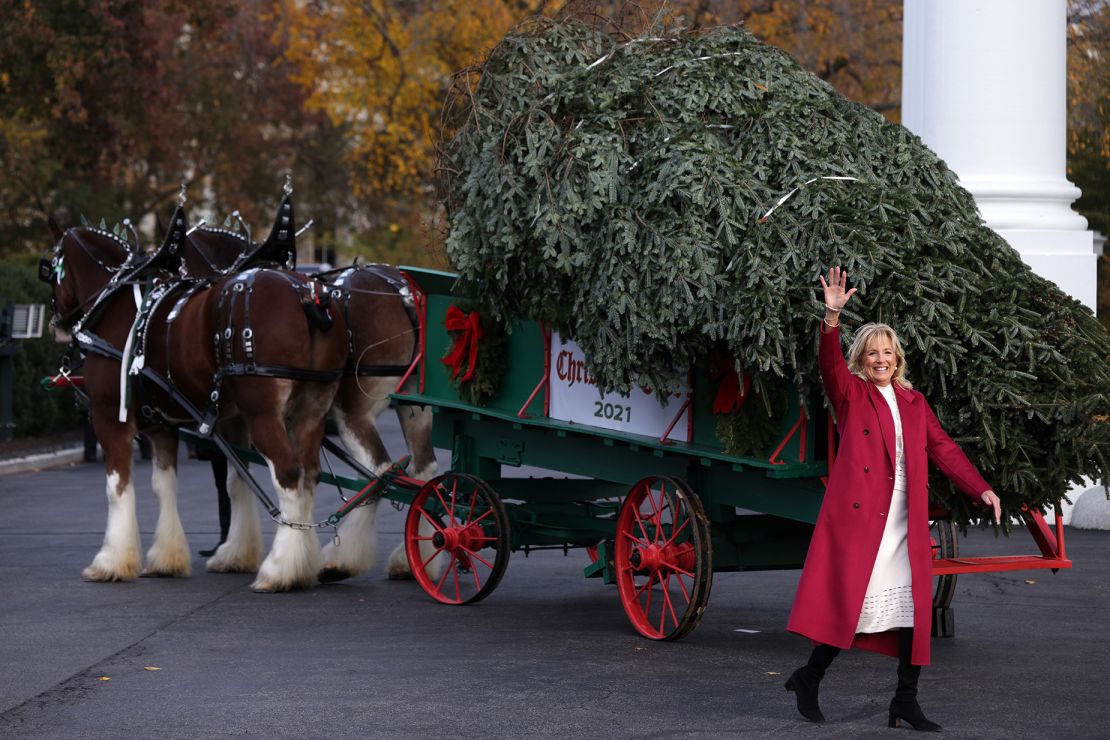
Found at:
(865, 335)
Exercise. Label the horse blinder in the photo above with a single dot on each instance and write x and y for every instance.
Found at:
(46, 267)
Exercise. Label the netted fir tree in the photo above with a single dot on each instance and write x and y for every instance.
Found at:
(618, 190)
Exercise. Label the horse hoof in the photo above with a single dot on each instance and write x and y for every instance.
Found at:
(100, 574)
(399, 574)
(220, 564)
(269, 587)
(331, 574)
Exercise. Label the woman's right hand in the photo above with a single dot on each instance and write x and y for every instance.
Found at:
(836, 295)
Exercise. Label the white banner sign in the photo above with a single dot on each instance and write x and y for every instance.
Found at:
(574, 397)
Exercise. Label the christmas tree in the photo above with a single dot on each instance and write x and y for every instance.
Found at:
(675, 195)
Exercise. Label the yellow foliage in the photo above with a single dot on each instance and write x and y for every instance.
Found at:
(380, 70)
(1088, 75)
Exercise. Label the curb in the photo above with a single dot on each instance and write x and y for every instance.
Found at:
(52, 459)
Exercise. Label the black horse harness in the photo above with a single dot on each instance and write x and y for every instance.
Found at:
(230, 335)
(397, 283)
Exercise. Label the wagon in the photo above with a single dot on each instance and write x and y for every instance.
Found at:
(644, 488)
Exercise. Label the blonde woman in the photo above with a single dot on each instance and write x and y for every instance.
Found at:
(867, 579)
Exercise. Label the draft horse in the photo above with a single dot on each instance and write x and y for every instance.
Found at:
(254, 348)
(378, 308)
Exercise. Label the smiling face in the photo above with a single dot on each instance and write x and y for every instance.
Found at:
(879, 361)
(876, 355)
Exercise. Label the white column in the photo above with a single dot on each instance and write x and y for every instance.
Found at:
(984, 85)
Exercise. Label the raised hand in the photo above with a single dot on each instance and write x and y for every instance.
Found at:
(836, 293)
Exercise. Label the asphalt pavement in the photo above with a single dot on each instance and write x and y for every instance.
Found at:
(548, 655)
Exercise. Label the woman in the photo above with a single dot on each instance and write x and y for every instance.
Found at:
(867, 579)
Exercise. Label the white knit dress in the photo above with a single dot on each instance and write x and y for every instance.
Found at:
(889, 601)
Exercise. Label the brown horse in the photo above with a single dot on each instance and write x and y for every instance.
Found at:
(378, 307)
(255, 347)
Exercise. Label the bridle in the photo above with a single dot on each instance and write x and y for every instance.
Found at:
(52, 263)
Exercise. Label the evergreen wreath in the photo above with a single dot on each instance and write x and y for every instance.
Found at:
(658, 196)
(489, 365)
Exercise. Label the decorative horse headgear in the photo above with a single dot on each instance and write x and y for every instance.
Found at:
(169, 255)
(281, 245)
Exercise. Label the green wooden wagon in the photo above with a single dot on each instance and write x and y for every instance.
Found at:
(658, 513)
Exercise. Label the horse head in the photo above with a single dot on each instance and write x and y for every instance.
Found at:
(80, 265)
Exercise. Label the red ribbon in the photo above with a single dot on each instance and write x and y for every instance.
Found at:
(469, 326)
(729, 394)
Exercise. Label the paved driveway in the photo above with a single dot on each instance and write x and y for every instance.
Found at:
(548, 655)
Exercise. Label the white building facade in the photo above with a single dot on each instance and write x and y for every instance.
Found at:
(984, 84)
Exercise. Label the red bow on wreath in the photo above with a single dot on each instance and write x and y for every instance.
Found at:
(729, 394)
(469, 326)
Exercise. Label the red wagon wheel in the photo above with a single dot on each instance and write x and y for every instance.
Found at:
(663, 558)
(457, 538)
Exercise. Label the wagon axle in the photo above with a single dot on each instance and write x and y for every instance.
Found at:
(670, 558)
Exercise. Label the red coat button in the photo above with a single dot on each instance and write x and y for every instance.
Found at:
(866, 432)
(866, 469)
(855, 505)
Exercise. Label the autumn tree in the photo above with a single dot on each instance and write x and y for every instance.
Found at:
(107, 107)
(1089, 122)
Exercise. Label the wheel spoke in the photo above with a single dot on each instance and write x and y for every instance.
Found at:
(682, 585)
(443, 578)
(473, 503)
(677, 532)
(664, 505)
(424, 565)
(477, 581)
(455, 570)
(444, 504)
(667, 601)
(651, 499)
(454, 491)
(485, 539)
(640, 522)
(662, 606)
(629, 535)
(469, 523)
(431, 520)
(478, 557)
(676, 569)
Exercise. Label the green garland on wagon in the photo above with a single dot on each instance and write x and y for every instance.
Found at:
(618, 189)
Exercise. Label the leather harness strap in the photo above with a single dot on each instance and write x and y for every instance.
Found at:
(354, 367)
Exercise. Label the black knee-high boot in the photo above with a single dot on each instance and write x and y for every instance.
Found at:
(904, 705)
(804, 682)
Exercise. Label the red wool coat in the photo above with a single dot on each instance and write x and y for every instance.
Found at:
(853, 513)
